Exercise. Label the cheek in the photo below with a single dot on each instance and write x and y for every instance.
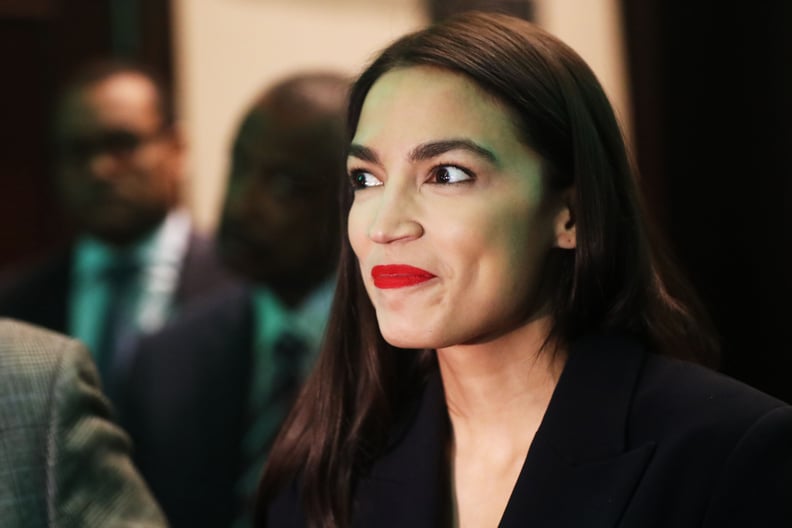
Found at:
(75, 189)
(157, 167)
(501, 257)
(356, 230)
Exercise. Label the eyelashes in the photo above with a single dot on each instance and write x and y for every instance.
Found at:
(450, 174)
(441, 174)
(361, 179)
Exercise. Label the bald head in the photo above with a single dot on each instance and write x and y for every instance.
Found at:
(317, 93)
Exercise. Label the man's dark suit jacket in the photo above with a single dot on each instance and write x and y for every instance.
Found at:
(630, 439)
(41, 296)
(185, 405)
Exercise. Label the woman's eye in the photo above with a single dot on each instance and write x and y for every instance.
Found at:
(445, 174)
(363, 180)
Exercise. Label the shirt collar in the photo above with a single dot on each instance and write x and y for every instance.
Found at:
(165, 244)
(308, 320)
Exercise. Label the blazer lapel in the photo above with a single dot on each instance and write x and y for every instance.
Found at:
(201, 273)
(577, 472)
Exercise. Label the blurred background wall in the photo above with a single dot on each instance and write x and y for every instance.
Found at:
(228, 50)
(41, 42)
(702, 88)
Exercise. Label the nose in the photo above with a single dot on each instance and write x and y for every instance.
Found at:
(102, 165)
(251, 204)
(396, 218)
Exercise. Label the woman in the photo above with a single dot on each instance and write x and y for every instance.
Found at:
(495, 352)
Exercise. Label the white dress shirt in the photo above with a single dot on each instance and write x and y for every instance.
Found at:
(160, 256)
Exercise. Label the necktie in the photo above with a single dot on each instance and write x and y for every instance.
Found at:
(119, 278)
(265, 417)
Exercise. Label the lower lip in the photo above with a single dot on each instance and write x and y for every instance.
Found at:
(390, 277)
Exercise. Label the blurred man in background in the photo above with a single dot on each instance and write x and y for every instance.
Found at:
(136, 259)
(208, 393)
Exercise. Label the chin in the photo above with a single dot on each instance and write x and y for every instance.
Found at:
(119, 225)
(118, 235)
(406, 339)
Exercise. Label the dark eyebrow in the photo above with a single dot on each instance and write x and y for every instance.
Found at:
(427, 150)
(435, 148)
(363, 153)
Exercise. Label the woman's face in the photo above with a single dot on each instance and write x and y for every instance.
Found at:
(451, 220)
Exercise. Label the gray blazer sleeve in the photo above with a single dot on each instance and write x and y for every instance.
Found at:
(62, 438)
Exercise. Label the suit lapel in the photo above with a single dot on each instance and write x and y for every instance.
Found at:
(577, 472)
(201, 271)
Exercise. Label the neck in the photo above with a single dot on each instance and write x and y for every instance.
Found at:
(503, 387)
(497, 394)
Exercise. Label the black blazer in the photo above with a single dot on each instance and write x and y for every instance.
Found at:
(630, 439)
(184, 404)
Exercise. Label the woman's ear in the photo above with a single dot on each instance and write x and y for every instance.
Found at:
(565, 237)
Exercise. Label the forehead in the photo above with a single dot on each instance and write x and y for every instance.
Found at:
(420, 103)
(125, 100)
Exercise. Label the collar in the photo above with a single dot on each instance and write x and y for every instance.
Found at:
(307, 320)
(165, 245)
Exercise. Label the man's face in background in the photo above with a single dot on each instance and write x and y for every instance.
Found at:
(280, 217)
(119, 165)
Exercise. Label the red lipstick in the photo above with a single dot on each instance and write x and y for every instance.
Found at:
(398, 276)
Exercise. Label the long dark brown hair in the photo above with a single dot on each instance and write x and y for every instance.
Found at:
(617, 280)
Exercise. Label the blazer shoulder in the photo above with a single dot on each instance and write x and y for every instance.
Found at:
(755, 486)
(29, 351)
(30, 359)
(678, 395)
(91, 480)
(218, 318)
(75, 457)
